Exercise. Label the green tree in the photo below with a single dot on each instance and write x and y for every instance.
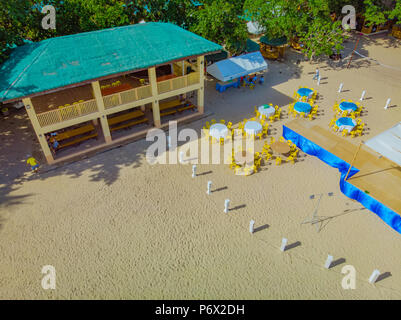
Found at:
(12, 24)
(220, 21)
(308, 20)
(380, 11)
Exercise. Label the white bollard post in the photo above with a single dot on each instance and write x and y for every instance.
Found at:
(209, 187)
(328, 262)
(363, 95)
(374, 276)
(194, 171)
(226, 204)
(283, 244)
(181, 157)
(251, 224)
(318, 81)
(340, 88)
(387, 103)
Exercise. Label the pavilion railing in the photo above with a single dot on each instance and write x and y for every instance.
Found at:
(178, 83)
(127, 96)
(67, 113)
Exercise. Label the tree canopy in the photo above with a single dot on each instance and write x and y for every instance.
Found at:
(217, 20)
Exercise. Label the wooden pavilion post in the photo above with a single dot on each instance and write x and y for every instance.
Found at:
(40, 134)
(201, 95)
(155, 93)
(100, 105)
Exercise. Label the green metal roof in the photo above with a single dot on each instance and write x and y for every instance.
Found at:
(275, 42)
(63, 61)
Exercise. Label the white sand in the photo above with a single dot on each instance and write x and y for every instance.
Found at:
(115, 227)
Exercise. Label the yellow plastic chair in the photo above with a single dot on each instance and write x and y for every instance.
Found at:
(344, 132)
(291, 159)
(222, 121)
(282, 139)
(207, 124)
(271, 119)
(278, 161)
(213, 121)
(229, 125)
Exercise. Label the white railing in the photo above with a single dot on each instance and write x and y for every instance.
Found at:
(127, 96)
(178, 83)
(67, 113)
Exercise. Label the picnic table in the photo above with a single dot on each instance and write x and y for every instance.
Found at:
(112, 90)
(280, 147)
(302, 107)
(223, 86)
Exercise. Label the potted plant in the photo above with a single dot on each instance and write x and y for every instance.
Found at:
(5, 111)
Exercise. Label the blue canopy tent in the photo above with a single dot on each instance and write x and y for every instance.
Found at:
(233, 68)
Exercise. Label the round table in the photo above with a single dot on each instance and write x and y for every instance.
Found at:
(266, 110)
(218, 130)
(302, 107)
(305, 92)
(345, 123)
(348, 106)
(244, 157)
(253, 127)
(280, 147)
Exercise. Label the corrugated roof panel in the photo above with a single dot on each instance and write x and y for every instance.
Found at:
(62, 61)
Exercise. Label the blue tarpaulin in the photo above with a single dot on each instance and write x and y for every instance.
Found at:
(237, 67)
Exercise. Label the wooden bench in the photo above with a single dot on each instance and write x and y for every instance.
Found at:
(123, 120)
(176, 105)
(125, 117)
(129, 124)
(191, 106)
(72, 133)
(76, 141)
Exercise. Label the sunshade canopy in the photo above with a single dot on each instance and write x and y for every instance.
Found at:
(68, 60)
(236, 67)
(388, 143)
